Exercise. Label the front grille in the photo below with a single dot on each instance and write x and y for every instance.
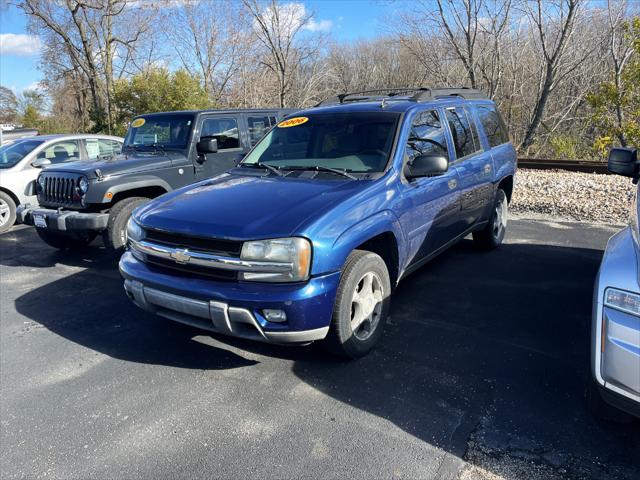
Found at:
(59, 190)
(193, 270)
(227, 248)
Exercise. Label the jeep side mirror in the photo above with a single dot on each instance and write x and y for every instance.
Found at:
(41, 162)
(624, 161)
(426, 166)
(207, 145)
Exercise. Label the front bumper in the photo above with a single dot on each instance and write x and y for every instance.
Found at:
(234, 308)
(63, 220)
(615, 345)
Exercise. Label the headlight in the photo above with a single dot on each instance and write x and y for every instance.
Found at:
(134, 230)
(83, 185)
(295, 251)
(626, 301)
(41, 182)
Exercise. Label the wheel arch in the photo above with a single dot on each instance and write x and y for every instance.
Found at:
(506, 184)
(13, 196)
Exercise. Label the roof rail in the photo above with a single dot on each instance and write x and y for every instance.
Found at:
(412, 94)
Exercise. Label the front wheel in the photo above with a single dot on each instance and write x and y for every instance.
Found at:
(492, 235)
(361, 306)
(115, 236)
(7, 212)
(65, 241)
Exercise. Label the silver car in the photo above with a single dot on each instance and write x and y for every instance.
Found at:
(615, 329)
(22, 159)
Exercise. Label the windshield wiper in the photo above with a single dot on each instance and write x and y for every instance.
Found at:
(322, 168)
(271, 168)
(145, 147)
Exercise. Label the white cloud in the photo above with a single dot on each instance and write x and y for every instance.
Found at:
(19, 44)
(319, 26)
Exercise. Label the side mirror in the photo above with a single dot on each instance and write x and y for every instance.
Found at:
(41, 162)
(624, 161)
(426, 166)
(208, 145)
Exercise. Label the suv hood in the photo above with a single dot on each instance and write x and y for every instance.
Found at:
(119, 164)
(243, 207)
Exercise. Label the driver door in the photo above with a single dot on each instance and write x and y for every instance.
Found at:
(226, 130)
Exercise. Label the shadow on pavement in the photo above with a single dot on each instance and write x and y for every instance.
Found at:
(488, 347)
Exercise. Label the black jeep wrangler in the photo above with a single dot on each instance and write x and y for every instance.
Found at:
(162, 152)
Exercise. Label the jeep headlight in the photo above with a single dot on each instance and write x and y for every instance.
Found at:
(83, 185)
(620, 300)
(134, 231)
(41, 181)
(296, 252)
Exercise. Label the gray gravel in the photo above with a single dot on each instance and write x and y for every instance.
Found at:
(573, 196)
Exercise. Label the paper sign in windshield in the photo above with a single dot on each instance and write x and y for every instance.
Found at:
(293, 122)
(138, 122)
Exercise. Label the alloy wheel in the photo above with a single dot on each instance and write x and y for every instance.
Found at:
(5, 212)
(366, 305)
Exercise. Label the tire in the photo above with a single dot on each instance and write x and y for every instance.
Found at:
(492, 235)
(65, 241)
(362, 268)
(7, 212)
(115, 236)
(600, 409)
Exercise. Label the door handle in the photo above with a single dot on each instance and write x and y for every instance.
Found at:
(453, 183)
(487, 169)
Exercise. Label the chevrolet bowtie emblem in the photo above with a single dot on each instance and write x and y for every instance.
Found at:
(181, 256)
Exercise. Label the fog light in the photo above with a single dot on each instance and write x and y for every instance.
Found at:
(277, 316)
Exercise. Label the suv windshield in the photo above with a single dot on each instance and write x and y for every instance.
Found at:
(352, 142)
(167, 131)
(12, 153)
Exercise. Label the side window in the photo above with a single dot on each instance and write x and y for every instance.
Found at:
(427, 136)
(224, 130)
(493, 125)
(258, 126)
(98, 147)
(463, 136)
(61, 152)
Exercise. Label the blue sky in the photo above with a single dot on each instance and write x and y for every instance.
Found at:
(343, 20)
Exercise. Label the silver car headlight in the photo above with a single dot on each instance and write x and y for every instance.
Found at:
(621, 300)
(134, 231)
(295, 251)
(83, 185)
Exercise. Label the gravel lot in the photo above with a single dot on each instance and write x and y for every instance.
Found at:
(480, 376)
(578, 196)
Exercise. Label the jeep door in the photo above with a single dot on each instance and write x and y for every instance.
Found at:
(226, 129)
(431, 205)
(473, 164)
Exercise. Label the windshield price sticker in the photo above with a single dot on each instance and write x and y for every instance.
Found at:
(138, 122)
(293, 122)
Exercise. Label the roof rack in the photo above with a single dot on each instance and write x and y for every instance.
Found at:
(412, 94)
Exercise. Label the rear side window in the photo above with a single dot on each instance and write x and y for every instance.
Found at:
(98, 147)
(463, 136)
(493, 125)
(427, 136)
(258, 126)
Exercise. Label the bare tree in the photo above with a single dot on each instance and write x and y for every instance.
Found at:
(279, 28)
(553, 23)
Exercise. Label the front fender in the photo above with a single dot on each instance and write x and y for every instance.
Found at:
(104, 191)
(330, 257)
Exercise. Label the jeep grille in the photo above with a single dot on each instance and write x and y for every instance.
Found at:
(59, 190)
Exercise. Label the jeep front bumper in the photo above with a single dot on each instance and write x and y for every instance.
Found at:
(62, 220)
(234, 308)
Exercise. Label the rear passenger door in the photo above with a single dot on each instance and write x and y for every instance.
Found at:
(226, 130)
(473, 164)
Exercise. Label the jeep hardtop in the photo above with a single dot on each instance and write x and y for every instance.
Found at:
(307, 237)
(161, 152)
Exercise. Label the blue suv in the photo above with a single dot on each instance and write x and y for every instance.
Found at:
(306, 238)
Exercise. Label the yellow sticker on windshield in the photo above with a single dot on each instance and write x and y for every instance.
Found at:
(293, 122)
(138, 122)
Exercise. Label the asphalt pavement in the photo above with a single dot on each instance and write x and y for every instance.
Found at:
(480, 375)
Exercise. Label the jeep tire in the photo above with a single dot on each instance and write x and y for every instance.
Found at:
(361, 306)
(115, 236)
(7, 212)
(492, 235)
(64, 240)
